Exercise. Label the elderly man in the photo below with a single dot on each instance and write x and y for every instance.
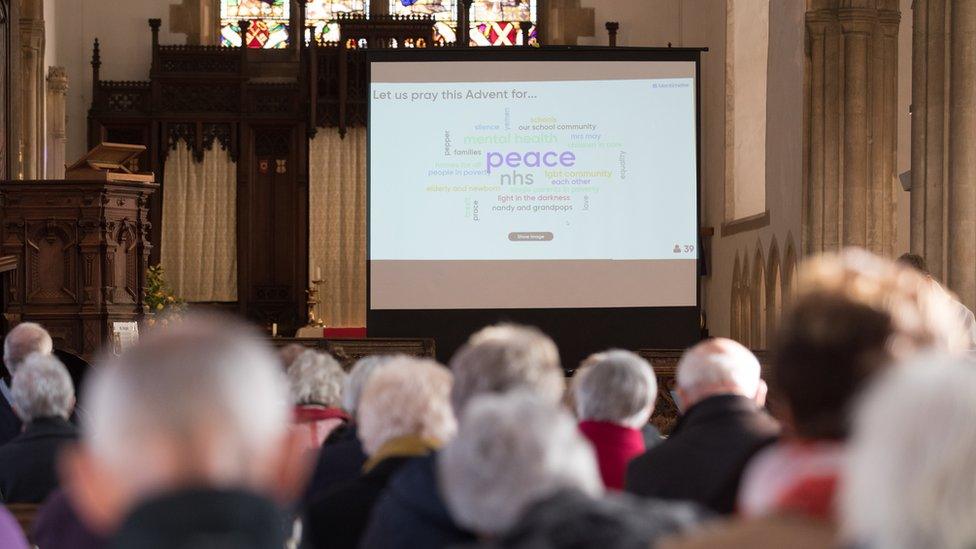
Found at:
(723, 425)
(405, 412)
(24, 340)
(496, 359)
(614, 394)
(186, 441)
(316, 381)
(520, 474)
(907, 481)
(43, 398)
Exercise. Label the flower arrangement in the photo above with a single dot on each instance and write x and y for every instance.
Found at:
(164, 306)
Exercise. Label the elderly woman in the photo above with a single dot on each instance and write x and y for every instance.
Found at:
(614, 395)
(404, 412)
(316, 381)
(520, 473)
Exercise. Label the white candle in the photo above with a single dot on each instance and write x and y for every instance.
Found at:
(274, 329)
(318, 273)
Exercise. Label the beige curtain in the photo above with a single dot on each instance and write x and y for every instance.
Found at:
(199, 240)
(337, 217)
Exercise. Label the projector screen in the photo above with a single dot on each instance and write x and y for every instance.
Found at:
(499, 185)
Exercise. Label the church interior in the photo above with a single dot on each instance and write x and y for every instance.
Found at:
(166, 163)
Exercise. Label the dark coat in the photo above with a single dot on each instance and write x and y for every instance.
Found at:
(58, 526)
(338, 519)
(28, 463)
(10, 424)
(204, 518)
(340, 460)
(703, 459)
(571, 519)
(412, 513)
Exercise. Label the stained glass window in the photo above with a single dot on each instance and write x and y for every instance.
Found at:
(493, 22)
(269, 19)
(320, 14)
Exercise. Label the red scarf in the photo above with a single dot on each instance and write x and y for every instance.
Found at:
(307, 413)
(615, 446)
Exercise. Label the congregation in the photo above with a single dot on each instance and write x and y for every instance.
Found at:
(858, 433)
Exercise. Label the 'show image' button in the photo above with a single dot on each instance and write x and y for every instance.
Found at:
(530, 236)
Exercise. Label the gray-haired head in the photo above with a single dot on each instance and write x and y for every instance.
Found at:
(908, 481)
(42, 388)
(316, 378)
(615, 386)
(205, 394)
(506, 357)
(357, 378)
(408, 397)
(718, 366)
(512, 450)
(24, 340)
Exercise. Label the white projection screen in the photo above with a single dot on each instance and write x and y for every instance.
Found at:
(554, 182)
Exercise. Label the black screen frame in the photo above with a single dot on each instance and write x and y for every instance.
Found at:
(578, 331)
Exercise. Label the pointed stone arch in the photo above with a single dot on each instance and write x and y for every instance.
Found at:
(735, 305)
(758, 299)
(774, 288)
(789, 270)
(743, 298)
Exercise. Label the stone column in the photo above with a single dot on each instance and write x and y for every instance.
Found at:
(851, 100)
(961, 233)
(943, 213)
(32, 88)
(57, 122)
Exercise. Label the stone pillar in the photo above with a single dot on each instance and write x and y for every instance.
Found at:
(852, 49)
(943, 213)
(961, 225)
(32, 89)
(57, 122)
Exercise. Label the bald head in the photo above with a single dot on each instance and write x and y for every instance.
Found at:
(24, 340)
(716, 367)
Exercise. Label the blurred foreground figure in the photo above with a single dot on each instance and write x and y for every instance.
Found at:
(25, 339)
(966, 316)
(854, 317)
(520, 474)
(185, 441)
(908, 481)
(722, 426)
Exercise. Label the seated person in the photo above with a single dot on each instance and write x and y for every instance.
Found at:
(316, 390)
(496, 359)
(43, 398)
(614, 395)
(854, 316)
(341, 457)
(722, 426)
(186, 442)
(22, 341)
(57, 524)
(404, 413)
(907, 481)
(520, 474)
(11, 536)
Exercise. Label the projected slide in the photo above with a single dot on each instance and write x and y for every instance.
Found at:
(549, 185)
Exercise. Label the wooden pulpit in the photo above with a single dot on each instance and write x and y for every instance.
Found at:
(82, 246)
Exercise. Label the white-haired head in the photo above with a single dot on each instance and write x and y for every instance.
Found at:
(408, 397)
(24, 340)
(505, 357)
(42, 388)
(719, 366)
(615, 386)
(356, 380)
(909, 478)
(202, 402)
(316, 378)
(512, 450)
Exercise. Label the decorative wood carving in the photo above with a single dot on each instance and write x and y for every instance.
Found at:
(83, 247)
